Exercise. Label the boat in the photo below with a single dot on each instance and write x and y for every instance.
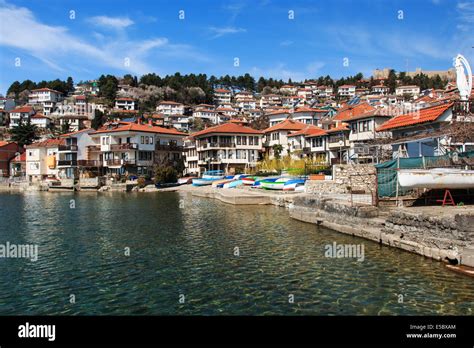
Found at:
(274, 184)
(165, 185)
(220, 183)
(292, 185)
(203, 182)
(213, 174)
(233, 183)
(185, 180)
(209, 177)
(249, 180)
(437, 178)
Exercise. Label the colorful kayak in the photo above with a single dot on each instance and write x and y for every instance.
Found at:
(249, 180)
(292, 185)
(274, 184)
(233, 183)
(213, 174)
(203, 181)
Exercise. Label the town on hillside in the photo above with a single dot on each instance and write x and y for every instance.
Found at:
(129, 129)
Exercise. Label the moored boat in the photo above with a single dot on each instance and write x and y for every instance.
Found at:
(292, 185)
(274, 184)
(233, 183)
(437, 178)
(213, 174)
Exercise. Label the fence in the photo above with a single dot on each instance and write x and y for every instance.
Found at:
(387, 172)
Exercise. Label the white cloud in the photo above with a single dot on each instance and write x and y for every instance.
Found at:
(111, 22)
(221, 31)
(63, 51)
(281, 71)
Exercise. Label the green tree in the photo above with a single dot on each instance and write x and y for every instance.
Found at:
(24, 133)
(165, 175)
(277, 149)
(392, 80)
(98, 119)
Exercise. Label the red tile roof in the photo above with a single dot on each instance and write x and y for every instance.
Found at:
(125, 99)
(77, 132)
(80, 97)
(287, 124)
(165, 102)
(309, 130)
(350, 111)
(339, 128)
(47, 143)
(229, 127)
(221, 90)
(429, 114)
(20, 158)
(135, 127)
(22, 109)
(3, 143)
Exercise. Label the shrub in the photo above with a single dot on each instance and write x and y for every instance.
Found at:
(165, 175)
(141, 181)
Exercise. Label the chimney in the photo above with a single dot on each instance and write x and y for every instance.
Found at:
(150, 122)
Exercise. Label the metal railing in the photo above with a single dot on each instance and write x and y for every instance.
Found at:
(125, 146)
(67, 163)
(67, 148)
(119, 162)
(89, 163)
(169, 147)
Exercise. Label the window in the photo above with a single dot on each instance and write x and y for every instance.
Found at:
(244, 140)
(147, 140)
(256, 141)
(250, 140)
(239, 140)
(144, 155)
(142, 140)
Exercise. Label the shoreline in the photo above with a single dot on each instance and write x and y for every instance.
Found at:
(440, 233)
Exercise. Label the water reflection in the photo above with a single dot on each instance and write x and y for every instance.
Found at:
(181, 244)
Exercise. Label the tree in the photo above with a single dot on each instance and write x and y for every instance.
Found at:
(277, 149)
(98, 119)
(24, 133)
(392, 80)
(70, 84)
(165, 175)
(108, 86)
(65, 127)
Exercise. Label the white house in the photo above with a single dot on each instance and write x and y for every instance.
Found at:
(40, 120)
(347, 91)
(125, 104)
(412, 91)
(41, 160)
(20, 115)
(169, 108)
(222, 96)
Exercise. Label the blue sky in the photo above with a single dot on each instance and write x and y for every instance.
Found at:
(104, 35)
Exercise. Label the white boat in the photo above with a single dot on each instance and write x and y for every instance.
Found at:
(437, 178)
(213, 174)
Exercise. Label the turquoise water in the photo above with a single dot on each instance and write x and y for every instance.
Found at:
(183, 245)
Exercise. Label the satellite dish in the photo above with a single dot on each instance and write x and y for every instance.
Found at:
(463, 82)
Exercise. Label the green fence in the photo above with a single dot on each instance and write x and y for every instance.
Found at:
(387, 178)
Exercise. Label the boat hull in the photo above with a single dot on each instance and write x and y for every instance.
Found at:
(439, 178)
(203, 182)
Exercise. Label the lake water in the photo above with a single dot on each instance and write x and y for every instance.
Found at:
(185, 246)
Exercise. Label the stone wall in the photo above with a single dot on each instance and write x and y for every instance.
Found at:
(442, 232)
(346, 177)
(426, 233)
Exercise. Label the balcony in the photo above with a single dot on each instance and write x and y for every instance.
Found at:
(217, 145)
(67, 163)
(124, 147)
(89, 163)
(119, 162)
(67, 148)
(169, 147)
(93, 148)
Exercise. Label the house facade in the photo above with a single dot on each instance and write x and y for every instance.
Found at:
(231, 147)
